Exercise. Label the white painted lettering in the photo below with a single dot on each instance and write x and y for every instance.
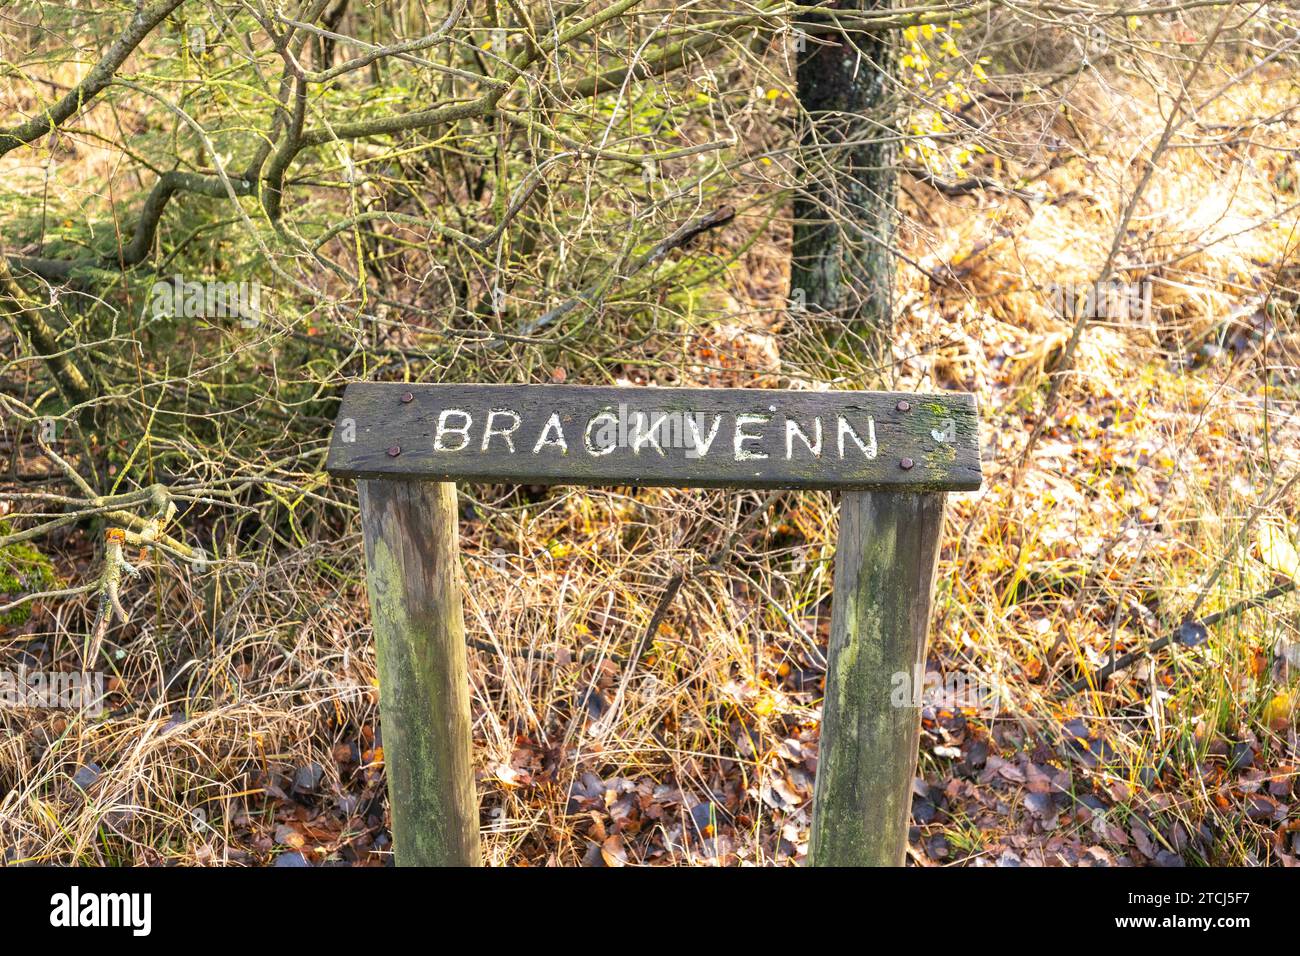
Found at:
(445, 429)
(609, 430)
(844, 428)
(643, 434)
(700, 446)
(489, 432)
(552, 425)
(742, 436)
(793, 431)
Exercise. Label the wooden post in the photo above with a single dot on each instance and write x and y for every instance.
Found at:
(413, 576)
(884, 573)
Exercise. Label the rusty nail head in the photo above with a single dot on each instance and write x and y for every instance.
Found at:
(905, 464)
(904, 406)
(394, 451)
(407, 397)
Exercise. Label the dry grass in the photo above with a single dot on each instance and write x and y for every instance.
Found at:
(230, 686)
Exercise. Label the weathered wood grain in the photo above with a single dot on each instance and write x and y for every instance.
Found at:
(741, 438)
(412, 573)
(884, 572)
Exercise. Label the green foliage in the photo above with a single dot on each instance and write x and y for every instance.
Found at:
(23, 570)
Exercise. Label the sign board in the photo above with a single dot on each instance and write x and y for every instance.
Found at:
(680, 437)
(893, 455)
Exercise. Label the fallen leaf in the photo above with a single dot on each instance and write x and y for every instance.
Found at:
(1279, 711)
(613, 852)
(1192, 633)
(1277, 551)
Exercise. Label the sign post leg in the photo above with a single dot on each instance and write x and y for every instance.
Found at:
(884, 573)
(413, 577)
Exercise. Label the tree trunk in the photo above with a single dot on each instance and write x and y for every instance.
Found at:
(842, 268)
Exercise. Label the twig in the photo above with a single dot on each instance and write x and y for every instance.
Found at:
(665, 601)
(968, 184)
(1097, 678)
(1175, 122)
(141, 25)
(715, 561)
(680, 237)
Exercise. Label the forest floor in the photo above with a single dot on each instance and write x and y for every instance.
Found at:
(1148, 501)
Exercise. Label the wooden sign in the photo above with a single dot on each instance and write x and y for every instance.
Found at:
(728, 438)
(892, 455)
